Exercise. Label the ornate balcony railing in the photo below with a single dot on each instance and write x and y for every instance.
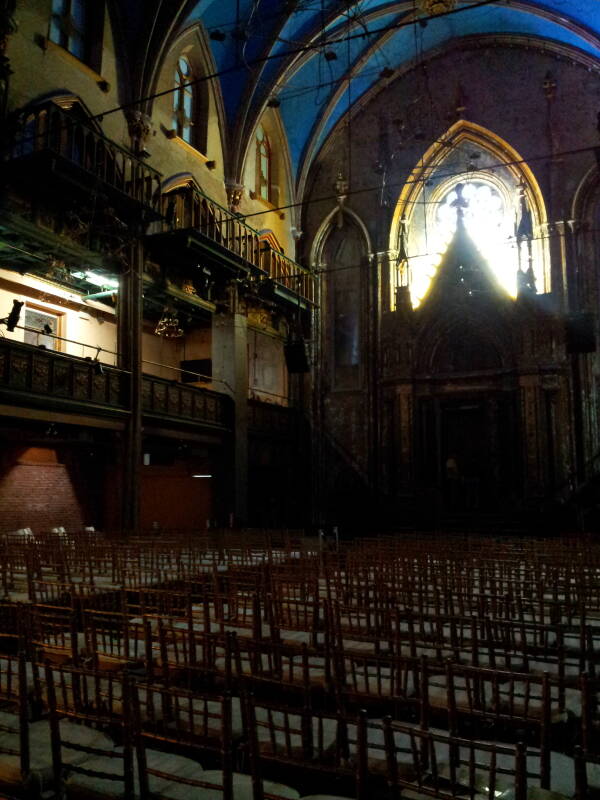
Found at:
(188, 208)
(50, 129)
(167, 398)
(35, 376)
(36, 372)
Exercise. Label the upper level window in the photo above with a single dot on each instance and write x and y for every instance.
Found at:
(183, 101)
(70, 26)
(263, 164)
(39, 325)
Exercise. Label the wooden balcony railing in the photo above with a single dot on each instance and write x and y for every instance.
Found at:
(38, 372)
(167, 398)
(31, 375)
(49, 128)
(188, 208)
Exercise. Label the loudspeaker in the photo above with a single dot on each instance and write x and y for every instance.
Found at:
(203, 366)
(580, 333)
(295, 356)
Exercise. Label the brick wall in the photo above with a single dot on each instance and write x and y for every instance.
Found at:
(36, 491)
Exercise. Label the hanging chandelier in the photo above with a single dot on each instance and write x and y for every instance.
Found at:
(433, 7)
(168, 325)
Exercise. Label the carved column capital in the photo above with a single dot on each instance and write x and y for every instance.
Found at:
(139, 125)
(234, 194)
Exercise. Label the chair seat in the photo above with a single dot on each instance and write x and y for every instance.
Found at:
(41, 753)
(242, 788)
(92, 787)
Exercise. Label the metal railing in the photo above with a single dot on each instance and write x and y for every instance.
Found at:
(188, 208)
(49, 128)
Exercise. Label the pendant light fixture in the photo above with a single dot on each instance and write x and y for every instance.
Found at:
(168, 325)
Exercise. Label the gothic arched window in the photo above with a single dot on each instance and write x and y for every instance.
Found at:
(263, 164)
(472, 173)
(183, 101)
(489, 209)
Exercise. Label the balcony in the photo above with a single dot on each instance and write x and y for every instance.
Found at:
(48, 140)
(185, 403)
(195, 227)
(35, 377)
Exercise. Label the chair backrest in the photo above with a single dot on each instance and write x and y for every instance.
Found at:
(175, 717)
(115, 641)
(94, 698)
(444, 766)
(302, 738)
(13, 699)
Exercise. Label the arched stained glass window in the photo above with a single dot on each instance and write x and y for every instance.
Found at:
(263, 164)
(489, 213)
(183, 101)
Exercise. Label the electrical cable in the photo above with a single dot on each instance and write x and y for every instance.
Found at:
(264, 59)
(444, 175)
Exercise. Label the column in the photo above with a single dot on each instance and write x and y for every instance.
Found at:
(129, 337)
(230, 373)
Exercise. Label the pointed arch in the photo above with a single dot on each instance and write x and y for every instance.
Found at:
(498, 169)
(316, 251)
(342, 252)
(459, 132)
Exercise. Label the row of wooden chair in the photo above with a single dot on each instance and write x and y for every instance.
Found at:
(156, 741)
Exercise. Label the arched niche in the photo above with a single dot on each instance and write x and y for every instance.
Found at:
(585, 214)
(342, 252)
(458, 343)
(500, 189)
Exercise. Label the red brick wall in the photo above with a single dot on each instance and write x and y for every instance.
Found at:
(37, 492)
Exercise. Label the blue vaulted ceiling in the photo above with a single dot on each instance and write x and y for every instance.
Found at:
(278, 48)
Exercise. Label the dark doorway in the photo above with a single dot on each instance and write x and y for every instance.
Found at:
(469, 450)
(465, 451)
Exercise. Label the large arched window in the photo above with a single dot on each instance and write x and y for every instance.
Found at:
(475, 173)
(184, 101)
(263, 164)
(488, 211)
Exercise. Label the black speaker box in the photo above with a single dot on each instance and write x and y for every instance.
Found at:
(581, 334)
(295, 356)
(203, 366)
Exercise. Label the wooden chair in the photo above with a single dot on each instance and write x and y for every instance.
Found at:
(310, 748)
(379, 682)
(176, 719)
(113, 641)
(15, 762)
(88, 765)
(447, 767)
